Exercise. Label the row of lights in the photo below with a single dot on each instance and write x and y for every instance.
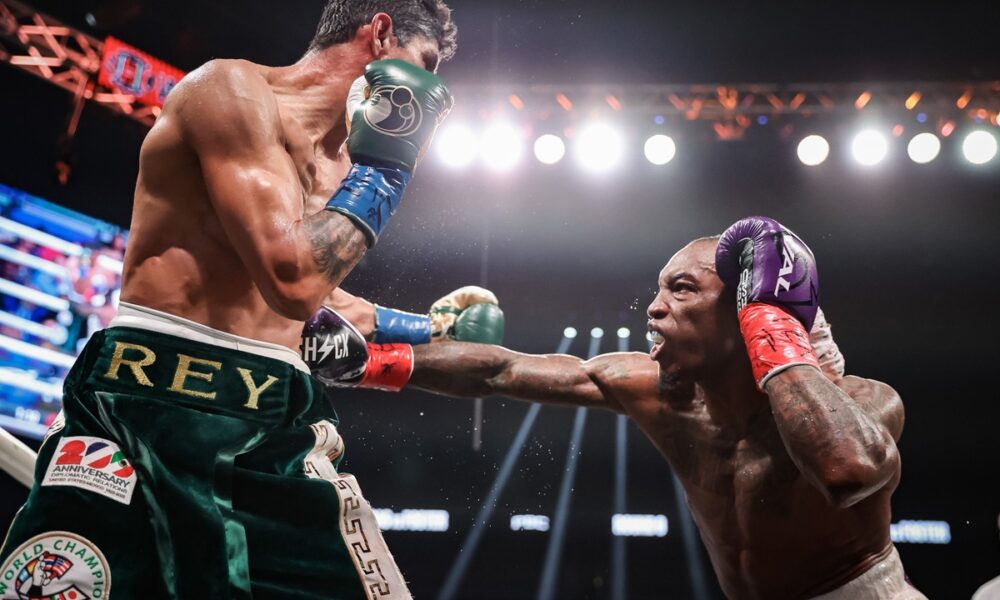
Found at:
(598, 333)
(600, 147)
(870, 147)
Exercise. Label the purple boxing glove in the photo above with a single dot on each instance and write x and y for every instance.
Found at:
(767, 263)
(333, 349)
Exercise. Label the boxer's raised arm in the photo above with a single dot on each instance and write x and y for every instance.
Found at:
(609, 381)
(228, 115)
(844, 445)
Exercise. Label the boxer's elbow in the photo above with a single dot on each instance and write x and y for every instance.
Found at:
(293, 294)
(292, 304)
(848, 480)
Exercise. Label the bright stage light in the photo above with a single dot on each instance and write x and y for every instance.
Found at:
(501, 147)
(599, 147)
(979, 147)
(569, 332)
(597, 333)
(869, 148)
(623, 332)
(549, 149)
(456, 145)
(660, 149)
(813, 150)
(923, 148)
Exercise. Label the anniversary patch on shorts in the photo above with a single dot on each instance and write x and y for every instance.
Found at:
(92, 464)
(55, 564)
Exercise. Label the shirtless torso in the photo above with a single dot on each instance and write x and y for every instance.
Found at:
(229, 227)
(769, 531)
(181, 260)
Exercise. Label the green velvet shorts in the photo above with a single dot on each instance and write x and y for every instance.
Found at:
(187, 471)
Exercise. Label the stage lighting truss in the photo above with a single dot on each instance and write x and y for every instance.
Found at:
(71, 59)
(731, 110)
(63, 56)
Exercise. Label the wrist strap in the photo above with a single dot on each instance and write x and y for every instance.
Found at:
(400, 327)
(388, 368)
(775, 341)
(369, 197)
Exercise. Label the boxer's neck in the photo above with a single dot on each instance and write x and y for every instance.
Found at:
(314, 90)
(731, 397)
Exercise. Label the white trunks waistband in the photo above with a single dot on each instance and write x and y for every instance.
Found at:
(884, 581)
(140, 317)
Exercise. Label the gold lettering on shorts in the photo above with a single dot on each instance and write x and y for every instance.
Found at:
(184, 371)
(255, 391)
(118, 359)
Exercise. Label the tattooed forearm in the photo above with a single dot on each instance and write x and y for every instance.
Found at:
(472, 370)
(337, 244)
(835, 444)
(457, 369)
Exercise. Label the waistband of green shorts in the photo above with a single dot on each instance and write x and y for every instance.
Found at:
(170, 368)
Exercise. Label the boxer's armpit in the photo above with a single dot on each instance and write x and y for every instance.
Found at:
(337, 244)
(836, 445)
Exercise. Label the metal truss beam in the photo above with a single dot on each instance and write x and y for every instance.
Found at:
(41, 45)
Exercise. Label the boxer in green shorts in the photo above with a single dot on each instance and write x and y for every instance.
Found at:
(196, 457)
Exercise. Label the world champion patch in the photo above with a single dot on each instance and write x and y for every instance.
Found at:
(93, 464)
(55, 564)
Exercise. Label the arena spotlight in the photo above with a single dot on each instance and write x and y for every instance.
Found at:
(869, 148)
(549, 149)
(813, 150)
(923, 148)
(599, 147)
(623, 332)
(501, 147)
(979, 147)
(597, 333)
(456, 146)
(660, 149)
(569, 332)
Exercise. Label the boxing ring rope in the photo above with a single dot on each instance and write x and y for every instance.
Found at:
(17, 459)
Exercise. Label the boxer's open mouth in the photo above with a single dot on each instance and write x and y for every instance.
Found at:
(657, 338)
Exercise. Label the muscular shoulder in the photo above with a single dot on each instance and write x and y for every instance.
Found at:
(225, 98)
(878, 399)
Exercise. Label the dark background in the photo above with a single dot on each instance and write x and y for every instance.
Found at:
(907, 254)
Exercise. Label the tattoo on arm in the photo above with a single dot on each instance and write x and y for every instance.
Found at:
(337, 244)
(828, 435)
(471, 370)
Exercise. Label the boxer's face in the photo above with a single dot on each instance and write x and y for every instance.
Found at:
(692, 318)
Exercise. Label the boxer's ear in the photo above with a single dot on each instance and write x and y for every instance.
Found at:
(383, 37)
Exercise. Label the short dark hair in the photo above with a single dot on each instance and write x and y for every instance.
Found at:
(428, 18)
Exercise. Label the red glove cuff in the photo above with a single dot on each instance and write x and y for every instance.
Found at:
(775, 341)
(388, 368)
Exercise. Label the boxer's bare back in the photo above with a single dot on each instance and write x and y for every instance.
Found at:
(228, 228)
(224, 144)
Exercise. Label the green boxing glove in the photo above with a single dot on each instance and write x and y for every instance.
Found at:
(394, 109)
(400, 107)
(469, 314)
(480, 323)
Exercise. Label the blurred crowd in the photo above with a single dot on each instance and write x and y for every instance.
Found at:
(89, 282)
